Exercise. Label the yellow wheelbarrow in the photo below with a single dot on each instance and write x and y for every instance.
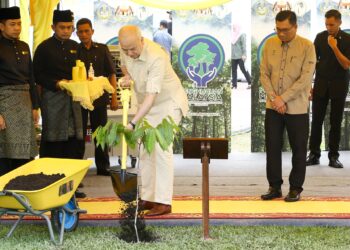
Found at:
(57, 198)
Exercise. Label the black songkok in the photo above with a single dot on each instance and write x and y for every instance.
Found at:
(10, 13)
(63, 16)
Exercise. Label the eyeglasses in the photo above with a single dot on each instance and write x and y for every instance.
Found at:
(278, 30)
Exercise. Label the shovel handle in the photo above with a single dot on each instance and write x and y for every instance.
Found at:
(122, 176)
(125, 96)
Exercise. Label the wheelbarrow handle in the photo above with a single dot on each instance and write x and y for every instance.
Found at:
(6, 193)
(21, 199)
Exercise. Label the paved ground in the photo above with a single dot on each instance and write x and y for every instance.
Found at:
(242, 174)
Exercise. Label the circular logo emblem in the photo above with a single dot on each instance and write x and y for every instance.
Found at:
(201, 57)
(113, 41)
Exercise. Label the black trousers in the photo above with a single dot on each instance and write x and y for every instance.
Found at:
(70, 149)
(98, 117)
(297, 129)
(7, 164)
(240, 63)
(319, 107)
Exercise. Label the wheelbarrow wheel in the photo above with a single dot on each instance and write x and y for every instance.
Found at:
(71, 221)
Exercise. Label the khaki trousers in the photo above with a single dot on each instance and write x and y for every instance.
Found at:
(157, 168)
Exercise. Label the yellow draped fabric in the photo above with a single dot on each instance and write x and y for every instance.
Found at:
(41, 12)
(86, 92)
(24, 7)
(180, 4)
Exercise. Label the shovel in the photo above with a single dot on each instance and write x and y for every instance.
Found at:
(124, 182)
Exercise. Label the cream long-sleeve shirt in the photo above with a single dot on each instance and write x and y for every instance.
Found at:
(152, 73)
(286, 70)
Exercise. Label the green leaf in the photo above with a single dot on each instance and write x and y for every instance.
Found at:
(150, 140)
(112, 135)
(129, 138)
(108, 124)
(120, 128)
(166, 134)
(168, 131)
(160, 139)
(146, 124)
(96, 134)
(101, 139)
(176, 128)
(163, 134)
(137, 134)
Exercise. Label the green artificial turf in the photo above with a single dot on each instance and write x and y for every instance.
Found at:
(189, 237)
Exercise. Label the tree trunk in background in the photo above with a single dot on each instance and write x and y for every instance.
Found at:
(258, 107)
(194, 126)
(213, 134)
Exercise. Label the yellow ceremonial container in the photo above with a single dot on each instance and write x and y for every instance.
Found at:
(82, 71)
(79, 71)
(75, 73)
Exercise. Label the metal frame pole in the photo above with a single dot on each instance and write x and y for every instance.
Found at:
(205, 147)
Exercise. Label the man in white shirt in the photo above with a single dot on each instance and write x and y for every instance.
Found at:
(159, 93)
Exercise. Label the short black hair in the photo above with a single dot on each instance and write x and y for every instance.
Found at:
(84, 21)
(286, 15)
(333, 13)
(164, 23)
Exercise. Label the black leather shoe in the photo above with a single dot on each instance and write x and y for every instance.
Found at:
(103, 172)
(335, 163)
(312, 160)
(79, 194)
(273, 193)
(292, 196)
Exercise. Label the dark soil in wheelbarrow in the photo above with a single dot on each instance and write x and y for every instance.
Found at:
(32, 181)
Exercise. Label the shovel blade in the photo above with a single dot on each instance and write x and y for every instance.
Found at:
(124, 184)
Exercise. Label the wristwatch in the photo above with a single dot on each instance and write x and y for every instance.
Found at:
(132, 124)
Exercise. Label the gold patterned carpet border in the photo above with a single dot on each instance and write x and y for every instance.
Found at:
(233, 207)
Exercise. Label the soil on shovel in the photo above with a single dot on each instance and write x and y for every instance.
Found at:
(32, 182)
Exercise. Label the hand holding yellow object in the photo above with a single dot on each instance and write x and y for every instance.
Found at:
(125, 96)
(125, 82)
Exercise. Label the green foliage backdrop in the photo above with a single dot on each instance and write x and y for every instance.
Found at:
(258, 107)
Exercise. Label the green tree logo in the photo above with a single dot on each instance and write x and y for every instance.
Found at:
(201, 57)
